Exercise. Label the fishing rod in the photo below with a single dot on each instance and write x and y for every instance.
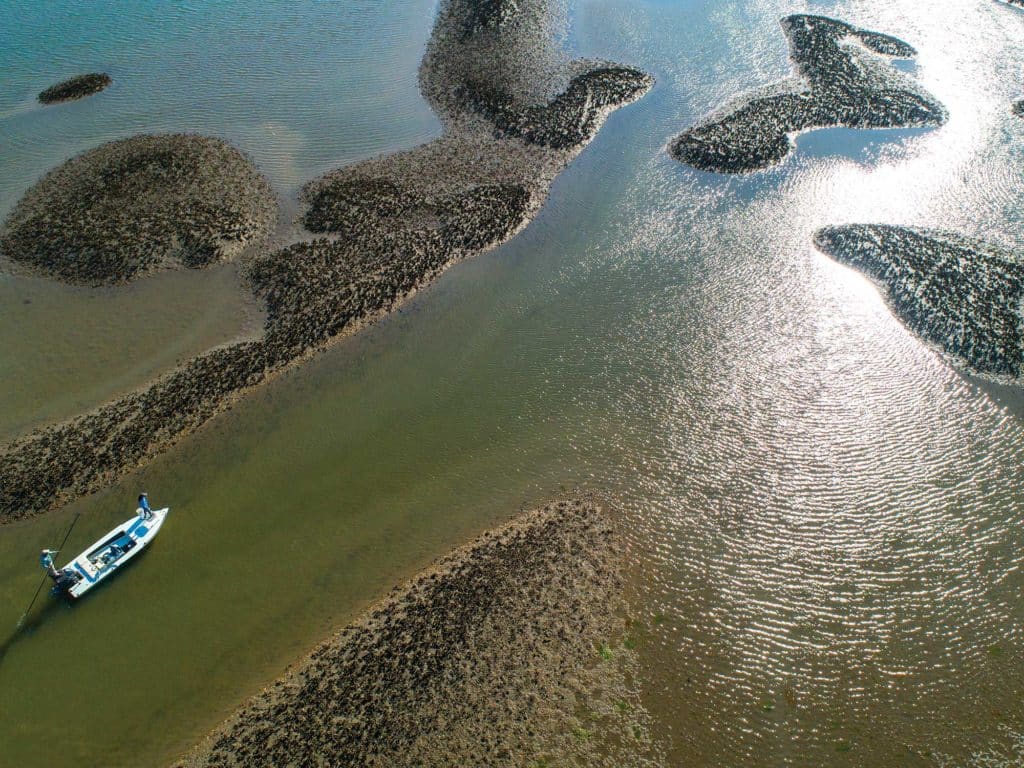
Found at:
(39, 589)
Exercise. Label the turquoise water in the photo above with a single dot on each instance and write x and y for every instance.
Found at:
(826, 519)
(301, 87)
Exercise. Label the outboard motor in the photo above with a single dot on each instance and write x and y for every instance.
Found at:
(64, 581)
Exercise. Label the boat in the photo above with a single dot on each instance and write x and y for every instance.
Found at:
(106, 556)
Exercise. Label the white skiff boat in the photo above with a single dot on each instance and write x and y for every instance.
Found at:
(107, 555)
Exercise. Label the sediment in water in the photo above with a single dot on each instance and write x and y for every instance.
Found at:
(839, 83)
(392, 224)
(76, 87)
(506, 652)
(962, 295)
(138, 205)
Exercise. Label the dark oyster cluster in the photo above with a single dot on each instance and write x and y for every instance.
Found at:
(76, 87)
(482, 16)
(962, 295)
(843, 85)
(464, 665)
(88, 452)
(140, 204)
(314, 290)
(570, 118)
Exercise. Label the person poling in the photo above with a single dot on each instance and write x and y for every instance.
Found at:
(63, 578)
(46, 560)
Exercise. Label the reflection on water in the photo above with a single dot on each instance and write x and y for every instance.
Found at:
(827, 518)
(837, 546)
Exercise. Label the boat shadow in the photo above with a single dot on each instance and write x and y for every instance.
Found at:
(38, 617)
(31, 623)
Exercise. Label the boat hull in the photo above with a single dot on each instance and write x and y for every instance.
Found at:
(112, 552)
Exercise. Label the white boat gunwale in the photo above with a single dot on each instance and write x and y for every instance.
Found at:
(110, 552)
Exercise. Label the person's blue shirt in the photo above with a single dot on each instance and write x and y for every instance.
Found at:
(46, 560)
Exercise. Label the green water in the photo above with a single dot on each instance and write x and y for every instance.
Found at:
(824, 517)
(67, 349)
(287, 515)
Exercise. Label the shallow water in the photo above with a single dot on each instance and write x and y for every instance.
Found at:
(301, 90)
(66, 349)
(826, 517)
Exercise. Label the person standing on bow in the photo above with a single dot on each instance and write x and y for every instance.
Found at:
(144, 511)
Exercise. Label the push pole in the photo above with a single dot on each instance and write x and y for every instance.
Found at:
(39, 589)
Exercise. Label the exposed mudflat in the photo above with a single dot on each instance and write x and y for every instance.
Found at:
(395, 223)
(962, 295)
(76, 87)
(137, 205)
(507, 652)
(841, 81)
